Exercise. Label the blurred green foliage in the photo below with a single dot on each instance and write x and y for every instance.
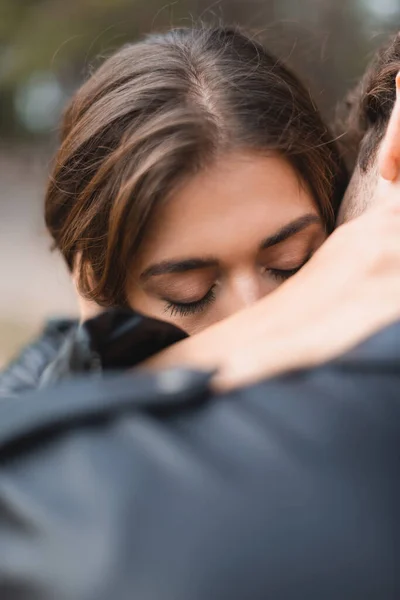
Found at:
(327, 41)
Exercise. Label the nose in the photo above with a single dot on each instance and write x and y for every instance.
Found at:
(241, 291)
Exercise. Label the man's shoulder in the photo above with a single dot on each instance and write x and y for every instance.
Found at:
(259, 482)
(380, 351)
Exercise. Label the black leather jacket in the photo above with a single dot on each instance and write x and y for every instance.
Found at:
(116, 339)
(154, 488)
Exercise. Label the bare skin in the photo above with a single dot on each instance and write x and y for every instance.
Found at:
(227, 237)
(330, 306)
(349, 290)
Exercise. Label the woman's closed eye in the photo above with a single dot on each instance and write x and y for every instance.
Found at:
(184, 309)
(284, 274)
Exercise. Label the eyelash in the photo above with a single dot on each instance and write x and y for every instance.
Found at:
(190, 308)
(186, 309)
(284, 274)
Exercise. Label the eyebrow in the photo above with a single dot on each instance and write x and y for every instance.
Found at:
(167, 267)
(290, 229)
(179, 266)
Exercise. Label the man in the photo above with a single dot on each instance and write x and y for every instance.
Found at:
(154, 487)
(371, 127)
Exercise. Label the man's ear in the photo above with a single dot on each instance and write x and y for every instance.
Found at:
(389, 153)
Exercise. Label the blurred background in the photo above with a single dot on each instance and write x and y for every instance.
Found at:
(47, 47)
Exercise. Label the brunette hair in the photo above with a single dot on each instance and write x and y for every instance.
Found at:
(157, 111)
(365, 114)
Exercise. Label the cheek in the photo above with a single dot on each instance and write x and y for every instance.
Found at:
(320, 240)
(143, 303)
(194, 324)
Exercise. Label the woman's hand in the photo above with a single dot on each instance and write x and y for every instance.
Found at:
(349, 290)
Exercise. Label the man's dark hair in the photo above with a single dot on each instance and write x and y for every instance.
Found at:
(366, 112)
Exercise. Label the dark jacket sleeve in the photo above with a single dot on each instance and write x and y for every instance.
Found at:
(154, 488)
(115, 339)
(25, 371)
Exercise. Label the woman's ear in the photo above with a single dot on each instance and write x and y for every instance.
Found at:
(87, 308)
(389, 153)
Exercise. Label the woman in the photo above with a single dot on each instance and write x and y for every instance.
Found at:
(194, 176)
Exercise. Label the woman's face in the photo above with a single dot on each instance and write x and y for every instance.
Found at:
(229, 236)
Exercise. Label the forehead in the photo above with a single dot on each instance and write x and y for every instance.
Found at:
(239, 201)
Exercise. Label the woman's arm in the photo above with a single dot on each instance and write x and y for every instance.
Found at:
(349, 290)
